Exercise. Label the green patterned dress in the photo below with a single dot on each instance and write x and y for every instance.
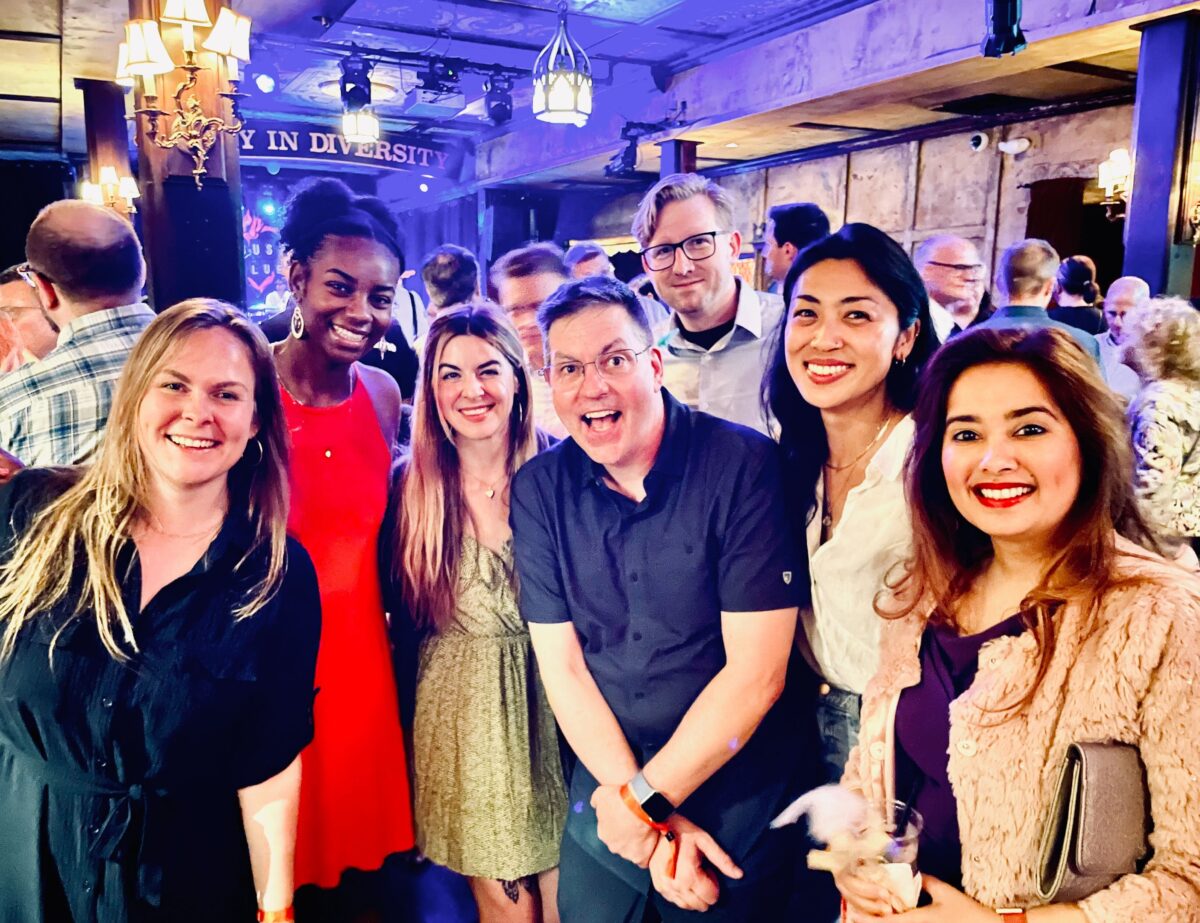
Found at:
(490, 799)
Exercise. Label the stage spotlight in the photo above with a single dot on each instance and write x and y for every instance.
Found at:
(498, 98)
(1004, 35)
(442, 76)
(355, 82)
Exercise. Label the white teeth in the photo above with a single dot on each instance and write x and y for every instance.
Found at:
(599, 414)
(348, 335)
(475, 411)
(1007, 493)
(192, 443)
(827, 369)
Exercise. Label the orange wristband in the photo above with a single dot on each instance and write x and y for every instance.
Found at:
(640, 812)
(287, 915)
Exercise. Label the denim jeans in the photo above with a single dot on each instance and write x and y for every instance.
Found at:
(837, 721)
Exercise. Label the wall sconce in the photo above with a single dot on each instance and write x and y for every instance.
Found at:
(1113, 176)
(146, 56)
(111, 191)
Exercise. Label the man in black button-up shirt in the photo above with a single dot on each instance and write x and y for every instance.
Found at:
(660, 581)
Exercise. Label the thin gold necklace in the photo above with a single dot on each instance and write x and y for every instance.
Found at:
(489, 489)
(156, 526)
(870, 445)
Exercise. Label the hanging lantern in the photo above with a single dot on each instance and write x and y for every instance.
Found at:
(562, 78)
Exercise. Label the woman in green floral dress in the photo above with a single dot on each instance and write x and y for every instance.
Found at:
(490, 800)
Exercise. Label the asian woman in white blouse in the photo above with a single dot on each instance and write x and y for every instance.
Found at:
(841, 384)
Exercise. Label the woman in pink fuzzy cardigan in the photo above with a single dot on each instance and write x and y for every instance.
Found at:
(1030, 625)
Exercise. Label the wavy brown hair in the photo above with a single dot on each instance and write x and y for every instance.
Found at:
(432, 514)
(949, 553)
(77, 536)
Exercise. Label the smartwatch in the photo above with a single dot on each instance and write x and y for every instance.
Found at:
(655, 804)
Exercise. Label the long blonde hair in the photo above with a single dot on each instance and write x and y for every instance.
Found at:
(431, 519)
(83, 530)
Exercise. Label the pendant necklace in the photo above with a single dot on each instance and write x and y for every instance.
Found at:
(489, 489)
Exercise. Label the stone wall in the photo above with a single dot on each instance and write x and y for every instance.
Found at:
(920, 188)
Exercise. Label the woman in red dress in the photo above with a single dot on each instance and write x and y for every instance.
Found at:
(343, 418)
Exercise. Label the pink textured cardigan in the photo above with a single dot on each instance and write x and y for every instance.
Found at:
(1136, 679)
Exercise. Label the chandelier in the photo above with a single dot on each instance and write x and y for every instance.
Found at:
(562, 78)
(144, 55)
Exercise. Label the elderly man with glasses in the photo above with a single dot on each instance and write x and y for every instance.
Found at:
(660, 579)
(715, 347)
(955, 278)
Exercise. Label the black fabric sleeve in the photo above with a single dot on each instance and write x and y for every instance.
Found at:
(403, 633)
(539, 580)
(760, 566)
(279, 723)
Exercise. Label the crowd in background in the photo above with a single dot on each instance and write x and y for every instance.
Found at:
(575, 591)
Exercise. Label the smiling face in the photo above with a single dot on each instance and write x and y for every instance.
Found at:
(1012, 462)
(701, 292)
(475, 388)
(842, 335)
(198, 413)
(345, 292)
(616, 420)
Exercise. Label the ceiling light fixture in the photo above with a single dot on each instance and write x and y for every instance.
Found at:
(497, 98)
(359, 123)
(1004, 35)
(562, 78)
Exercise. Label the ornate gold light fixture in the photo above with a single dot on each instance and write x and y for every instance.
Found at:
(111, 190)
(146, 56)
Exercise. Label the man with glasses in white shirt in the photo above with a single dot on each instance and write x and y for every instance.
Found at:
(716, 345)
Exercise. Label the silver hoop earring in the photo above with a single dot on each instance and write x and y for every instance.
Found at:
(257, 443)
(297, 324)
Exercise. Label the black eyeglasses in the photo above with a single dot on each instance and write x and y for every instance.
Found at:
(957, 267)
(612, 365)
(27, 272)
(696, 248)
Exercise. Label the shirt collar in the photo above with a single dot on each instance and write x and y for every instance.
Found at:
(1021, 310)
(749, 315)
(95, 321)
(888, 461)
(942, 320)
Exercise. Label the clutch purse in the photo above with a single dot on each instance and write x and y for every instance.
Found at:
(1099, 823)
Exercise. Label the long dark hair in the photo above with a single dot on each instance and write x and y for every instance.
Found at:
(949, 553)
(801, 430)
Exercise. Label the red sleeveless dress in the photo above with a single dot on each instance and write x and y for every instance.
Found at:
(355, 808)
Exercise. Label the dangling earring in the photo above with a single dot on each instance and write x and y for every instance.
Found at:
(261, 452)
(899, 361)
(297, 325)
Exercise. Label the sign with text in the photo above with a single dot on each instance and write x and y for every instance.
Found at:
(317, 145)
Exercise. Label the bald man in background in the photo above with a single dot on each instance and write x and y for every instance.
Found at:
(84, 264)
(1125, 294)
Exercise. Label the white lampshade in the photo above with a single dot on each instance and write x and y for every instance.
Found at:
(128, 188)
(562, 79)
(147, 55)
(230, 36)
(360, 127)
(194, 12)
(108, 176)
(123, 77)
(90, 192)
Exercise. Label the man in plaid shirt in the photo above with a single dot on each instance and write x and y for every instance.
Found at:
(85, 265)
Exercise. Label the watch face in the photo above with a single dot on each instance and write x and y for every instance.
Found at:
(658, 808)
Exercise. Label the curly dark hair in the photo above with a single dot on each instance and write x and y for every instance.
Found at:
(326, 207)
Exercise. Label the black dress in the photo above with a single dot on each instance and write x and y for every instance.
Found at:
(119, 781)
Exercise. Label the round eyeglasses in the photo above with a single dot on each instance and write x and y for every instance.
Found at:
(695, 248)
(569, 373)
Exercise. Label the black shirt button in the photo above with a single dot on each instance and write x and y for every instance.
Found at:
(637, 636)
(87, 887)
(639, 695)
(101, 764)
(687, 549)
(633, 578)
(106, 702)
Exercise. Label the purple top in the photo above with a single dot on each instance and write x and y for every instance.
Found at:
(948, 664)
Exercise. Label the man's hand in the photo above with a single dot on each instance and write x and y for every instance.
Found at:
(694, 885)
(622, 831)
(9, 465)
